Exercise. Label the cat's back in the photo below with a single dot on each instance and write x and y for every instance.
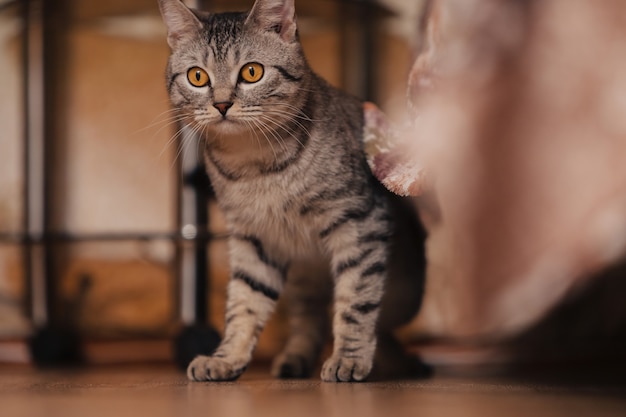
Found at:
(337, 111)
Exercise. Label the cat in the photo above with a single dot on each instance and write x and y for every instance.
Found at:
(284, 153)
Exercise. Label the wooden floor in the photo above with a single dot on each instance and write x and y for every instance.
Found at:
(162, 391)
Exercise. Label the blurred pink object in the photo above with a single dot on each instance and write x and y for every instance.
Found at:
(519, 114)
(389, 160)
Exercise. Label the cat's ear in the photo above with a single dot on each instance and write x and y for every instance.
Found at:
(275, 16)
(180, 21)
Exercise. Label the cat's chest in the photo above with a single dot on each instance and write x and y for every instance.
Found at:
(259, 200)
(268, 208)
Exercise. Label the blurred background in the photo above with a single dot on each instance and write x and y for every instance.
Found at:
(515, 109)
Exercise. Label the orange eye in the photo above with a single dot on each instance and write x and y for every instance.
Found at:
(252, 72)
(198, 77)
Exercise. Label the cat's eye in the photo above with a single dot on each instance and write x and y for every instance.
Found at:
(252, 72)
(197, 77)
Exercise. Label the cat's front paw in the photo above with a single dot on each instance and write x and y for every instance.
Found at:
(342, 369)
(207, 368)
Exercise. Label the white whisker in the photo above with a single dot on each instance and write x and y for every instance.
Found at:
(296, 122)
(256, 124)
(172, 139)
(281, 126)
(155, 121)
(181, 143)
(253, 131)
(166, 123)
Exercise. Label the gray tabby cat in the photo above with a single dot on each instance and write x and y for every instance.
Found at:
(284, 153)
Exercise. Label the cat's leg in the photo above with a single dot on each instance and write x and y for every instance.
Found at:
(358, 243)
(255, 284)
(308, 292)
(404, 289)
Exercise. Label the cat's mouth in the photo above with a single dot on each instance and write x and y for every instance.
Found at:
(227, 125)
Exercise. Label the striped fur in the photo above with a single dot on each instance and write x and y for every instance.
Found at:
(287, 165)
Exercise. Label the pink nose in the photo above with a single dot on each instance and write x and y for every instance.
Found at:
(223, 107)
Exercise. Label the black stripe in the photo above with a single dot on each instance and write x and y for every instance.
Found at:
(350, 215)
(170, 84)
(221, 170)
(235, 311)
(349, 318)
(353, 214)
(376, 237)
(227, 339)
(205, 57)
(366, 307)
(214, 51)
(187, 95)
(262, 255)
(280, 96)
(230, 318)
(374, 269)
(312, 204)
(257, 286)
(353, 262)
(286, 74)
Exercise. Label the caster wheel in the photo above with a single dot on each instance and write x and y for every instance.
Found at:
(54, 347)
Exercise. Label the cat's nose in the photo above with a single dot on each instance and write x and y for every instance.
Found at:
(223, 107)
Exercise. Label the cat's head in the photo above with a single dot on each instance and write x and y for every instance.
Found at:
(233, 72)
